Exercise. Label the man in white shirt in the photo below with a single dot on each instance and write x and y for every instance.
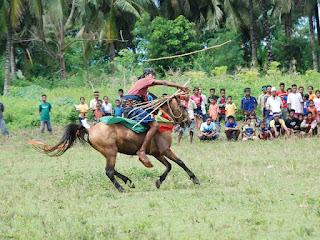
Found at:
(295, 101)
(189, 106)
(93, 102)
(274, 103)
(203, 104)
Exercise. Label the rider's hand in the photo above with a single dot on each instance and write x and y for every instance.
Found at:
(186, 89)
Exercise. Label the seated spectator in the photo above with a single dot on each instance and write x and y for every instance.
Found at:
(305, 103)
(208, 130)
(214, 112)
(292, 123)
(278, 126)
(309, 125)
(82, 109)
(231, 108)
(312, 108)
(255, 120)
(106, 106)
(231, 129)
(300, 118)
(264, 132)
(189, 105)
(248, 131)
(98, 113)
(118, 110)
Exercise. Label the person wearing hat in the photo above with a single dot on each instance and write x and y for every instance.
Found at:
(274, 103)
(278, 126)
(139, 92)
(248, 103)
(261, 99)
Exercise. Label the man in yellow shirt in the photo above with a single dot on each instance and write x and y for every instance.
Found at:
(231, 108)
(278, 126)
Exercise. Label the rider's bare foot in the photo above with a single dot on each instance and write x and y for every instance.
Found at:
(144, 159)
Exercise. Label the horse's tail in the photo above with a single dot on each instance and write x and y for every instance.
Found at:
(71, 134)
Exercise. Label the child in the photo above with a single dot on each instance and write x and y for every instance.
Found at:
(255, 120)
(316, 102)
(231, 129)
(118, 110)
(231, 108)
(312, 109)
(309, 125)
(264, 132)
(248, 131)
(82, 109)
(305, 103)
(98, 113)
(214, 112)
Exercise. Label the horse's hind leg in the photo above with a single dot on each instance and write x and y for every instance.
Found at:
(164, 161)
(124, 179)
(174, 158)
(110, 172)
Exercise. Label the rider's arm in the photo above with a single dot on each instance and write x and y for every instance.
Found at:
(170, 84)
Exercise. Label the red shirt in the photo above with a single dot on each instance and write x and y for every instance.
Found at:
(284, 101)
(140, 88)
(222, 109)
(197, 99)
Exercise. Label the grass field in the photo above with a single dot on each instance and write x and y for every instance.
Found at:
(249, 190)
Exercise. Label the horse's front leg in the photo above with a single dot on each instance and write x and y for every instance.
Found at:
(110, 172)
(169, 154)
(164, 161)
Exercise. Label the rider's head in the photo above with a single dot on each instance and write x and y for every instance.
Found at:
(149, 73)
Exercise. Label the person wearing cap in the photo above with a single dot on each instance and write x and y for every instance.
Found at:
(274, 103)
(248, 103)
(284, 96)
(139, 92)
(278, 126)
(261, 99)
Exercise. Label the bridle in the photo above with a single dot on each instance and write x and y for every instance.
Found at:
(170, 115)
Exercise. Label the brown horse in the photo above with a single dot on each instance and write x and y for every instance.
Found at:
(111, 139)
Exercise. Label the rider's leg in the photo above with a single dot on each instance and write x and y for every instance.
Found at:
(154, 126)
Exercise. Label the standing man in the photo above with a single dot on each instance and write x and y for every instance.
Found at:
(248, 103)
(212, 94)
(295, 101)
(93, 102)
(284, 97)
(121, 95)
(274, 103)
(311, 94)
(44, 112)
(261, 99)
(222, 101)
(106, 106)
(301, 91)
(2, 122)
(203, 104)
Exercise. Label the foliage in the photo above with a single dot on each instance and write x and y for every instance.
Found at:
(162, 38)
(220, 71)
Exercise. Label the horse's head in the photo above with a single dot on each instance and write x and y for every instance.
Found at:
(175, 111)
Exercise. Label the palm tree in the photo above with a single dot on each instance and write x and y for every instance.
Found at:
(252, 36)
(283, 9)
(313, 41)
(104, 18)
(266, 26)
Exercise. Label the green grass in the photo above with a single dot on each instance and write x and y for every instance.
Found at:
(240, 196)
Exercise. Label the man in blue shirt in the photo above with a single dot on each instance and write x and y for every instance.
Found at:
(208, 130)
(248, 103)
(231, 129)
(118, 110)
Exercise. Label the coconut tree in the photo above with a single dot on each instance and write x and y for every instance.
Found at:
(264, 4)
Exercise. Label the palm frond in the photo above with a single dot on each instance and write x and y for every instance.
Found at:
(15, 12)
(127, 7)
(36, 8)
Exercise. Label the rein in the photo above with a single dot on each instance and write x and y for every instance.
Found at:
(170, 115)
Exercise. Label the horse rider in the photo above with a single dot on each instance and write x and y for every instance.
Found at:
(139, 93)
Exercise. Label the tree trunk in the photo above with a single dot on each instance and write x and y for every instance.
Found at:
(313, 42)
(13, 60)
(316, 13)
(267, 29)
(112, 56)
(63, 66)
(287, 24)
(252, 36)
(7, 68)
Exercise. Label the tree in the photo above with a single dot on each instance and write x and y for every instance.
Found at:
(252, 36)
(266, 26)
(161, 38)
(313, 42)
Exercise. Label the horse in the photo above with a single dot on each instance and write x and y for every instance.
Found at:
(114, 138)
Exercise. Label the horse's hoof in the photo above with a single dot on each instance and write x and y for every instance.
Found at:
(158, 183)
(195, 180)
(120, 189)
(131, 185)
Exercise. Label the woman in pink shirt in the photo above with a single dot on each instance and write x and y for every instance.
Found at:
(139, 92)
(196, 97)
